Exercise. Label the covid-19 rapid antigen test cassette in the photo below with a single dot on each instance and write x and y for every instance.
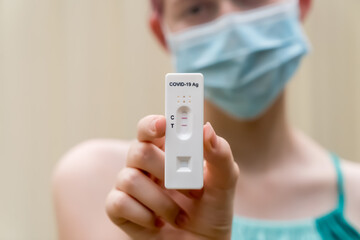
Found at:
(184, 112)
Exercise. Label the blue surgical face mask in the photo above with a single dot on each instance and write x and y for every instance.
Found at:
(246, 58)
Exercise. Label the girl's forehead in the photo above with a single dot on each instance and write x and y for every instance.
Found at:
(158, 5)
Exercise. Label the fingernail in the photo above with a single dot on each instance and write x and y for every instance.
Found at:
(153, 124)
(159, 223)
(213, 138)
(181, 219)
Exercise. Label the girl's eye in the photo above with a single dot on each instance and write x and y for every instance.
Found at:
(199, 12)
(196, 9)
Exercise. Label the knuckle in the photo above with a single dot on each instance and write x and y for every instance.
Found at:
(225, 146)
(145, 121)
(171, 210)
(141, 121)
(237, 169)
(128, 179)
(236, 172)
(115, 203)
(140, 152)
(132, 153)
(146, 150)
(119, 204)
(224, 143)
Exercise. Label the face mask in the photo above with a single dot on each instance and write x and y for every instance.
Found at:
(246, 58)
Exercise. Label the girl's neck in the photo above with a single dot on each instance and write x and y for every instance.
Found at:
(256, 144)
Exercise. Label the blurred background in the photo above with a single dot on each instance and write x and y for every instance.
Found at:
(72, 70)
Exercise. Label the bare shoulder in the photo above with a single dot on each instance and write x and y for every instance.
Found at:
(81, 182)
(351, 172)
(95, 155)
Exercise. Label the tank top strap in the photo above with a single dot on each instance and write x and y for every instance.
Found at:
(340, 182)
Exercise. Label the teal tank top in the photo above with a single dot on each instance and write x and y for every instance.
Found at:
(331, 226)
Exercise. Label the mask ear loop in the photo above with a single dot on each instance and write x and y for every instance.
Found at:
(166, 30)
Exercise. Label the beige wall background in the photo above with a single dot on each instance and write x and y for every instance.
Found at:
(71, 70)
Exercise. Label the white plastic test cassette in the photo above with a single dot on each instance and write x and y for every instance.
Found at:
(184, 112)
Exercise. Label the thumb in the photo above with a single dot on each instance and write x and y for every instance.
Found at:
(220, 169)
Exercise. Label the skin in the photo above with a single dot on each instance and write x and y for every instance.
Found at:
(291, 177)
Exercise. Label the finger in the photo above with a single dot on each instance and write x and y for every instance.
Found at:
(152, 129)
(196, 194)
(122, 208)
(138, 232)
(147, 157)
(140, 187)
(221, 170)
